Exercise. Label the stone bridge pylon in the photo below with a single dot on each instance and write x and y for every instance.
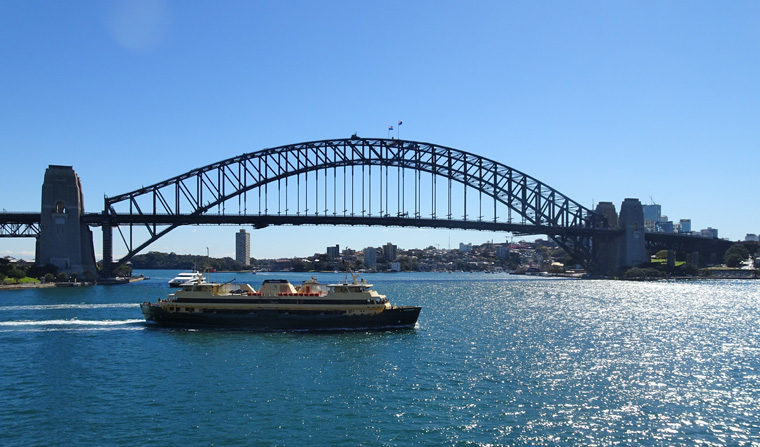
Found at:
(65, 240)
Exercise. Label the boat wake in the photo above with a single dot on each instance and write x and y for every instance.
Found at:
(71, 325)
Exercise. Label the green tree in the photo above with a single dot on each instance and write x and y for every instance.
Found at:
(735, 255)
(643, 272)
(36, 271)
(753, 247)
(299, 265)
(688, 269)
(16, 273)
(123, 270)
(407, 264)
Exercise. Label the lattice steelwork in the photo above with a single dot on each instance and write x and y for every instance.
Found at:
(19, 224)
(354, 181)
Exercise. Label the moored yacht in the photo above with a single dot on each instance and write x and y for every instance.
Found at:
(279, 305)
(185, 277)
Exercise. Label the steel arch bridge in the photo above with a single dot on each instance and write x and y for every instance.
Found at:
(354, 181)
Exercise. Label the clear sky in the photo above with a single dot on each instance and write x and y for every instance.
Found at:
(601, 100)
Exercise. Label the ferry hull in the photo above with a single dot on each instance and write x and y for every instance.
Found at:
(396, 317)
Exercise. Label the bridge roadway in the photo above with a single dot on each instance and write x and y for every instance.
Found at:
(263, 221)
(20, 224)
(23, 224)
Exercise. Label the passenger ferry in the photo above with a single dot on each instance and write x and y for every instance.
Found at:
(279, 305)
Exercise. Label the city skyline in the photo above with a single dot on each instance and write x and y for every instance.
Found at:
(600, 101)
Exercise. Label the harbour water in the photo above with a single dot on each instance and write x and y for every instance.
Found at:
(495, 360)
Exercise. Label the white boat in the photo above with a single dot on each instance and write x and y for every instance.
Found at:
(185, 277)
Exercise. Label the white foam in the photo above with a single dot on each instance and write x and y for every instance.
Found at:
(71, 322)
(74, 329)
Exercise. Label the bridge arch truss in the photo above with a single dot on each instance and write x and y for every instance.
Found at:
(355, 181)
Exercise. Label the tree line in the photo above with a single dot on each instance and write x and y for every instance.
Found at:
(173, 261)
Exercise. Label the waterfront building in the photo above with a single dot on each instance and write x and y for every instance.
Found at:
(665, 226)
(333, 252)
(710, 232)
(502, 251)
(370, 257)
(395, 266)
(390, 252)
(652, 212)
(652, 215)
(243, 247)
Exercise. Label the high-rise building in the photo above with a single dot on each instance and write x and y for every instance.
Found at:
(652, 212)
(390, 252)
(243, 247)
(652, 215)
(710, 232)
(502, 251)
(333, 252)
(664, 226)
(685, 226)
(370, 257)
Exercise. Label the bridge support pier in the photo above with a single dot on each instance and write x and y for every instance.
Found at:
(606, 259)
(107, 250)
(614, 253)
(64, 241)
(632, 245)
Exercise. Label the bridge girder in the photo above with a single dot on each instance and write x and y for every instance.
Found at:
(686, 243)
(19, 224)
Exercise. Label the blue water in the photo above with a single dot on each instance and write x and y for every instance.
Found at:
(495, 360)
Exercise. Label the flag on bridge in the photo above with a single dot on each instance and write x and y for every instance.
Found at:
(390, 127)
(399, 122)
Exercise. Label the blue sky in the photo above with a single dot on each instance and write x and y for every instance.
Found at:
(600, 100)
